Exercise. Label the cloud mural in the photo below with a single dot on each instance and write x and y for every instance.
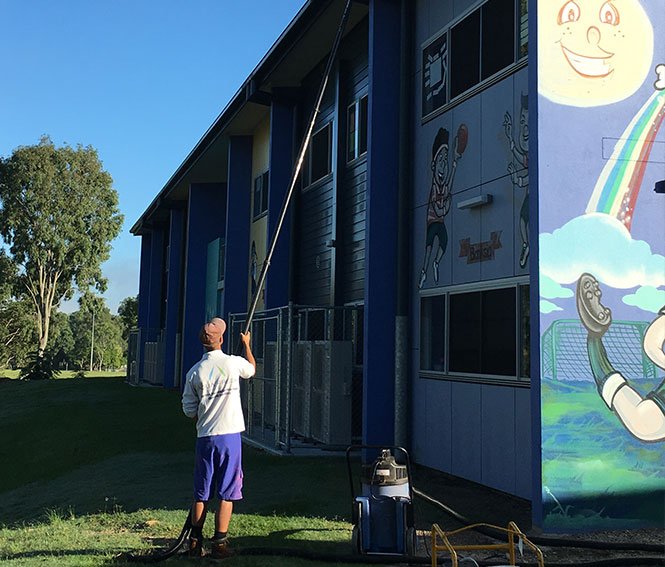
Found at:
(647, 298)
(602, 245)
(548, 306)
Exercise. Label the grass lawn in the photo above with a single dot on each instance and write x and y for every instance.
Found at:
(92, 468)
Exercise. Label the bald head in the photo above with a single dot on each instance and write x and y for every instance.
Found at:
(211, 334)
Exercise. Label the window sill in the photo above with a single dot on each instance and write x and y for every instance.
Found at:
(476, 379)
(325, 179)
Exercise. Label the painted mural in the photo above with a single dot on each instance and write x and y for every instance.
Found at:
(601, 104)
(440, 197)
(518, 168)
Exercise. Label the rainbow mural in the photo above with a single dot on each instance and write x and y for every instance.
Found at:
(620, 181)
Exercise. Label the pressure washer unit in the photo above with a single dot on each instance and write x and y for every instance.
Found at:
(382, 508)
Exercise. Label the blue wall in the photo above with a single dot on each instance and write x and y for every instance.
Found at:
(281, 167)
(206, 221)
(173, 295)
(237, 229)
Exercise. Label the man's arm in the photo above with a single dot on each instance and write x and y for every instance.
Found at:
(190, 401)
(244, 337)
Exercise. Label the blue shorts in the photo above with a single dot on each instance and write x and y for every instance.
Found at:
(218, 464)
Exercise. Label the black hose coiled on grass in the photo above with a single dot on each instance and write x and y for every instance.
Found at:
(549, 541)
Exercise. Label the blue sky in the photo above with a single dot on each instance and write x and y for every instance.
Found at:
(140, 80)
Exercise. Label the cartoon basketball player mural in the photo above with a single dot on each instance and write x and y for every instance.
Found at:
(520, 175)
(597, 51)
(643, 417)
(440, 197)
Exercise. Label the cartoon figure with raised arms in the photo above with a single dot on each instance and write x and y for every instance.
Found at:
(597, 51)
(643, 417)
(520, 175)
(440, 197)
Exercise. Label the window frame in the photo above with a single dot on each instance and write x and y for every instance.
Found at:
(517, 284)
(357, 106)
(263, 179)
(306, 173)
(519, 60)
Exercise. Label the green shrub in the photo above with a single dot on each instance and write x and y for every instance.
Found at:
(40, 367)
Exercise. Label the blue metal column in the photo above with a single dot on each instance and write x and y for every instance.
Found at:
(281, 169)
(206, 221)
(237, 228)
(144, 297)
(382, 218)
(173, 295)
(155, 274)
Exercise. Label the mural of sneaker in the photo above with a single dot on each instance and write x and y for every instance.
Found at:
(594, 315)
(435, 266)
(423, 277)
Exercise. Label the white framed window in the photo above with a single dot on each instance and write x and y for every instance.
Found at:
(476, 332)
(356, 129)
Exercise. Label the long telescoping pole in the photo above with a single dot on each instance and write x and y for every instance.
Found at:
(298, 165)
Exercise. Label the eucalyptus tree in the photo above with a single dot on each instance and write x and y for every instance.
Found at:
(58, 215)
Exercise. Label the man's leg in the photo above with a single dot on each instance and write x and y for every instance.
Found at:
(223, 518)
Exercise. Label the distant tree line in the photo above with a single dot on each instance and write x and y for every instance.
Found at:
(74, 343)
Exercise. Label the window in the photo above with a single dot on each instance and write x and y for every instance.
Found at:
(261, 194)
(318, 162)
(473, 50)
(433, 333)
(481, 333)
(465, 54)
(356, 129)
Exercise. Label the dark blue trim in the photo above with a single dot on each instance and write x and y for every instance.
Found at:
(173, 295)
(236, 280)
(155, 277)
(144, 296)
(534, 256)
(281, 169)
(381, 240)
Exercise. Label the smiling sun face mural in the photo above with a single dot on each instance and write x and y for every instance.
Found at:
(597, 51)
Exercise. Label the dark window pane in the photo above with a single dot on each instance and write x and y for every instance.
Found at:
(432, 333)
(525, 332)
(498, 332)
(351, 132)
(465, 333)
(498, 17)
(320, 154)
(465, 54)
(362, 126)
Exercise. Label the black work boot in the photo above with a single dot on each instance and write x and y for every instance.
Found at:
(220, 548)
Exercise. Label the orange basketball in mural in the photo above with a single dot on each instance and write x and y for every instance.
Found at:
(462, 138)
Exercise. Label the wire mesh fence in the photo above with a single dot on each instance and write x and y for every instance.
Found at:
(307, 391)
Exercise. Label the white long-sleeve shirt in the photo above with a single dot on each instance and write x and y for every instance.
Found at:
(212, 393)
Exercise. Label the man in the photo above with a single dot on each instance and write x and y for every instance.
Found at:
(212, 398)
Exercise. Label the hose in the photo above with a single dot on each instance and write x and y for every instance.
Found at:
(549, 541)
(158, 556)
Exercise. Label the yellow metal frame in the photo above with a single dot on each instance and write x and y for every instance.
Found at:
(512, 532)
